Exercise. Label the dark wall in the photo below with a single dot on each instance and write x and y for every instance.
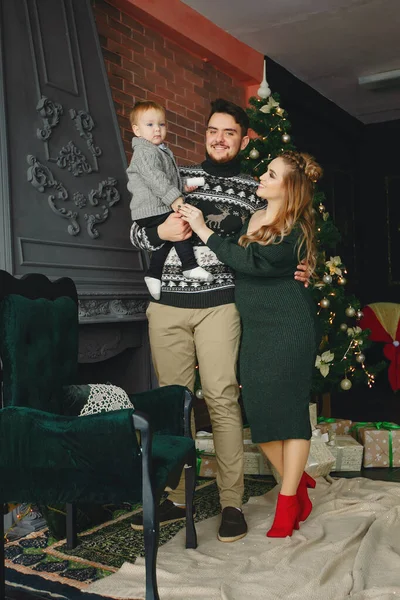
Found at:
(361, 182)
(378, 220)
(335, 138)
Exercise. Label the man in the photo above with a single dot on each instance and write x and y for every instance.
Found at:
(196, 319)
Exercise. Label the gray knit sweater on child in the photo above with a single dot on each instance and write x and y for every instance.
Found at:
(153, 179)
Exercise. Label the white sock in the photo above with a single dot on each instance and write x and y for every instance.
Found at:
(154, 287)
(198, 273)
(179, 505)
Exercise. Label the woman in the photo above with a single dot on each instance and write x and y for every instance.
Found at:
(280, 328)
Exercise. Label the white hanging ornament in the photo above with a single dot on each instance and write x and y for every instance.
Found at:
(360, 358)
(350, 311)
(199, 394)
(286, 138)
(359, 314)
(264, 89)
(254, 153)
(325, 303)
(343, 327)
(327, 278)
(345, 384)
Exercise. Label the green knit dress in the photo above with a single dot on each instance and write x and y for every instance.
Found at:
(280, 335)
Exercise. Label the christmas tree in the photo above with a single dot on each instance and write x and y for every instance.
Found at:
(341, 361)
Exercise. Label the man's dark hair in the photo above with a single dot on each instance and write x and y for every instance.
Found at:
(224, 106)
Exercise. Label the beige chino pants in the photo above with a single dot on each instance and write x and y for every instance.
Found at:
(177, 336)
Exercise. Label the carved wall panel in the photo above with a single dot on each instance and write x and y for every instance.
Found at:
(65, 180)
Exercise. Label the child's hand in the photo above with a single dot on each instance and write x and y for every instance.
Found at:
(189, 188)
(177, 204)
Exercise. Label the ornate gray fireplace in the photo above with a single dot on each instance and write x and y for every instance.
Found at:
(64, 206)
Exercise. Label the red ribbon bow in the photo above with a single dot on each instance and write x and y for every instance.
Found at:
(392, 347)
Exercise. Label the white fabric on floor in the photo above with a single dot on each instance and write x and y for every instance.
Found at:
(348, 547)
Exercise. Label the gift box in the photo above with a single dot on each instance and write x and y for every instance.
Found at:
(338, 426)
(313, 414)
(381, 441)
(348, 453)
(204, 441)
(320, 460)
(206, 465)
(255, 461)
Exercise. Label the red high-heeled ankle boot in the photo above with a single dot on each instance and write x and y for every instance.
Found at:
(305, 504)
(286, 516)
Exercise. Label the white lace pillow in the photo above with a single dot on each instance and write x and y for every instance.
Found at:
(105, 398)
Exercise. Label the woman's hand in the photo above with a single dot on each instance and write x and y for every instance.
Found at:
(303, 273)
(194, 217)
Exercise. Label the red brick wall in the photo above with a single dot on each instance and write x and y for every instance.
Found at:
(144, 65)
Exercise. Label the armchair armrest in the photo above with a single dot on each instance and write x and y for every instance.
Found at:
(169, 409)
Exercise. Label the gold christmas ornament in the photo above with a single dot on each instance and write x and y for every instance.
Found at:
(321, 208)
(342, 281)
(345, 384)
(327, 279)
(360, 358)
(350, 311)
(343, 327)
(254, 153)
(359, 314)
(324, 303)
(279, 111)
(286, 138)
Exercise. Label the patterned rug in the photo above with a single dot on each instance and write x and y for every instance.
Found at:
(102, 550)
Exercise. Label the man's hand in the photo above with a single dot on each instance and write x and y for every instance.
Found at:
(302, 274)
(174, 229)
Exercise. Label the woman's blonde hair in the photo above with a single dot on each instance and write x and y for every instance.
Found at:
(299, 183)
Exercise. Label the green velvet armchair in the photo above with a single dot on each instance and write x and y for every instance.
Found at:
(48, 454)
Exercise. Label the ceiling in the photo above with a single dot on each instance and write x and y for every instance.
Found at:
(328, 44)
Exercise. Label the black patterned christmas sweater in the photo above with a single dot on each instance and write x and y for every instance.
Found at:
(226, 202)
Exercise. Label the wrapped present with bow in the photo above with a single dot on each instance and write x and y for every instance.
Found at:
(338, 426)
(206, 464)
(347, 451)
(383, 320)
(381, 441)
